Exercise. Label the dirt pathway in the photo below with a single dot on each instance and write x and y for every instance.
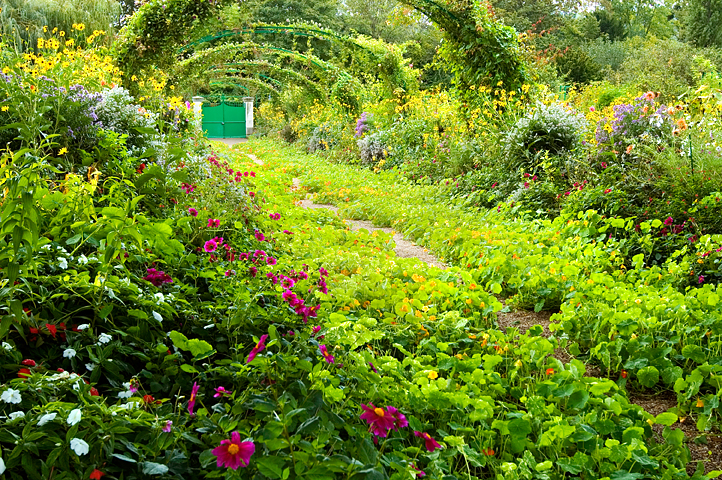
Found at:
(404, 248)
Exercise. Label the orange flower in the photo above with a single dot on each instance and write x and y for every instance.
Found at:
(629, 149)
(681, 124)
(550, 371)
(700, 403)
(650, 95)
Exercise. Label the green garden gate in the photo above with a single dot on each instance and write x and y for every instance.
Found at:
(224, 118)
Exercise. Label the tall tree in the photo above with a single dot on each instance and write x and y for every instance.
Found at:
(702, 22)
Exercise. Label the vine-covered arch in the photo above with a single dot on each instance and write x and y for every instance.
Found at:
(477, 48)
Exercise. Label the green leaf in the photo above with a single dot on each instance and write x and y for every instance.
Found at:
(124, 458)
(666, 418)
(271, 466)
(648, 376)
(694, 353)
(152, 468)
(578, 400)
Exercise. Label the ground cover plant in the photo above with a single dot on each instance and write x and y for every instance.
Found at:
(169, 310)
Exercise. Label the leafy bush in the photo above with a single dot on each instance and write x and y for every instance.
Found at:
(553, 129)
(321, 138)
(577, 66)
(117, 112)
(373, 147)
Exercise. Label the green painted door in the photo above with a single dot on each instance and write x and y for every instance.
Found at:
(224, 119)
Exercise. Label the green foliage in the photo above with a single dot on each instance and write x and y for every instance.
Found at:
(23, 22)
(576, 66)
(699, 19)
(552, 130)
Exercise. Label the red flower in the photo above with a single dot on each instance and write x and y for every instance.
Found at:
(149, 399)
(28, 362)
(431, 444)
(488, 452)
(52, 329)
(24, 373)
(96, 474)
(94, 392)
(233, 453)
(550, 371)
(624, 374)
(141, 167)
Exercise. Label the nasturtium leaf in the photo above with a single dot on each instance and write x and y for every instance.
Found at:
(648, 376)
(666, 418)
(578, 400)
(695, 353)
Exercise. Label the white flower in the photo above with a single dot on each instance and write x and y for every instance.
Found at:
(2, 466)
(83, 260)
(14, 415)
(48, 417)
(104, 338)
(159, 297)
(79, 446)
(69, 353)
(7, 346)
(90, 366)
(45, 247)
(74, 416)
(157, 316)
(62, 263)
(11, 396)
(83, 327)
(126, 394)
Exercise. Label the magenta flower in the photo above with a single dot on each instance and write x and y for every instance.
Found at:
(157, 277)
(700, 279)
(380, 422)
(324, 351)
(233, 453)
(669, 221)
(431, 444)
(260, 346)
(192, 401)
(287, 232)
(316, 329)
(214, 223)
(222, 392)
(168, 426)
(210, 246)
(419, 472)
(230, 272)
(287, 283)
(193, 212)
(259, 236)
(253, 271)
(271, 261)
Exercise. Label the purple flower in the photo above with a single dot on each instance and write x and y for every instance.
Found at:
(168, 426)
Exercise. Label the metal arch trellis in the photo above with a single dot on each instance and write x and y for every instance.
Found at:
(227, 48)
(254, 66)
(268, 29)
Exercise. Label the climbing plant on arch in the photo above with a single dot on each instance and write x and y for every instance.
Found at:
(477, 48)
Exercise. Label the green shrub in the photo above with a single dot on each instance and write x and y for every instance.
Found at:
(553, 131)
